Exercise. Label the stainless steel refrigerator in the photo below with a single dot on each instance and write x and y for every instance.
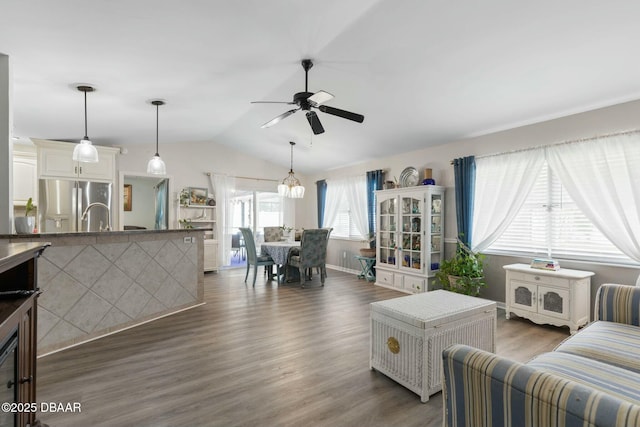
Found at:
(62, 203)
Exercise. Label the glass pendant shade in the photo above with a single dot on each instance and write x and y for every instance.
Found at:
(85, 151)
(156, 165)
(290, 186)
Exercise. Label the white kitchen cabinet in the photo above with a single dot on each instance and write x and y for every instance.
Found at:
(409, 238)
(210, 255)
(25, 178)
(560, 298)
(55, 161)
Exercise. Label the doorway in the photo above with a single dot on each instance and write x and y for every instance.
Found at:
(255, 210)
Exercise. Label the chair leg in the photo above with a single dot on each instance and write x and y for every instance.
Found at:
(255, 273)
(246, 274)
(323, 274)
(302, 274)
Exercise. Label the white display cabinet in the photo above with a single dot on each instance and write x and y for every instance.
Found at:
(409, 238)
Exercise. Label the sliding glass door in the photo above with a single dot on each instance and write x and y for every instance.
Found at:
(256, 210)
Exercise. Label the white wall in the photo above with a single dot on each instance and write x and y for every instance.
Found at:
(188, 162)
(617, 118)
(6, 157)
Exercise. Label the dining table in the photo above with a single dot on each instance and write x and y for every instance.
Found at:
(278, 251)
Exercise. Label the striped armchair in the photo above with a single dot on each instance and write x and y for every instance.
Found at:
(591, 379)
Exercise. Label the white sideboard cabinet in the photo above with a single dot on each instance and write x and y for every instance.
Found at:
(560, 298)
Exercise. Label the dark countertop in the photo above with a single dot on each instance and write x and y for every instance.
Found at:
(100, 233)
(12, 254)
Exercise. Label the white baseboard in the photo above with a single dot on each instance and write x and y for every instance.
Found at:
(344, 270)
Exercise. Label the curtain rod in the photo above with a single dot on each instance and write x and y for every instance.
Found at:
(246, 177)
(570, 141)
(256, 179)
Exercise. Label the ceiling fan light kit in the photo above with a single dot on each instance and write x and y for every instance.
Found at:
(156, 165)
(290, 186)
(306, 101)
(85, 151)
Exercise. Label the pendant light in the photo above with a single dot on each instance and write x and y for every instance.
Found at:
(85, 150)
(291, 186)
(156, 166)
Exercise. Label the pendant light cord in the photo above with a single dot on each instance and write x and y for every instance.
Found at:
(85, 115)
(291, 168)
(157, 127)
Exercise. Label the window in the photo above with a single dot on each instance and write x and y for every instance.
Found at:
(549, 224)
(344, 226)
(346, 207)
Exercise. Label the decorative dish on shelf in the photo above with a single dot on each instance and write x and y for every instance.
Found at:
(409, 177)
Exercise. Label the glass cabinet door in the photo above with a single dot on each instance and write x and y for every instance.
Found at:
(411, 218)
(387, 228)
(436, 231)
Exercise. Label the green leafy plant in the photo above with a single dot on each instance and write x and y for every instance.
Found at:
(286, 229)
(186, 223)
(184, 197)
(464, 273)
(28, 208)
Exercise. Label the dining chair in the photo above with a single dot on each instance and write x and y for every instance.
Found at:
(272, 234)
(253, 259)
(235, 245)
(312, 253)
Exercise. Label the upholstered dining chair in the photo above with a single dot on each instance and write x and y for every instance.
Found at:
(253, 259)
(272, 234)
(312, 253)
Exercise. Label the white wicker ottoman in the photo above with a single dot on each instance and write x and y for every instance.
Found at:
(409, 333)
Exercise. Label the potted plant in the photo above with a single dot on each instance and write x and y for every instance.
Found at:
(287, 233)
(26, 224)
(464, 273)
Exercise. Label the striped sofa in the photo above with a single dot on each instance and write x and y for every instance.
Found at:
(591, 379)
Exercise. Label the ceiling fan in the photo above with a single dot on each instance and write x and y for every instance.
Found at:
(306, 101)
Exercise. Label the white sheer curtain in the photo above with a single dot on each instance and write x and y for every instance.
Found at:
(502, 185)
(224, 188)
(354, 190)
(336, 190)
(357, 197)
(602, 176)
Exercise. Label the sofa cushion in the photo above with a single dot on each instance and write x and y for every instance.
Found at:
(610, 379)
(608, 342)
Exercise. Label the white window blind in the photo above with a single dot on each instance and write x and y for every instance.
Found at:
(344, 225)
(550, 224)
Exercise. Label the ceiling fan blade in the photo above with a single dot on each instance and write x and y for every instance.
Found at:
(273, 102)
(280, 117)
(314, 121)
(341, 113)
(320, 97)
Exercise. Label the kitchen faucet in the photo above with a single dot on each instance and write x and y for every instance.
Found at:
(86, 211)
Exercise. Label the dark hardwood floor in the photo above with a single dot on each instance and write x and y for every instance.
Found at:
(265, 356)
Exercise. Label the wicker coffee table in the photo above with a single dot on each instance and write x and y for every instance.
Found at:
(409, 333)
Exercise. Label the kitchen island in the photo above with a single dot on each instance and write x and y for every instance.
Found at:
(98, 283)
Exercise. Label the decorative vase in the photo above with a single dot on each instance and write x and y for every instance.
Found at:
(25, 224)
(428, 180)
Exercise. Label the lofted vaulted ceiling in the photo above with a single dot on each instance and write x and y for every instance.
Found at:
(422, 72)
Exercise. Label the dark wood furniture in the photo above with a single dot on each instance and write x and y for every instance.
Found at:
(18, 317)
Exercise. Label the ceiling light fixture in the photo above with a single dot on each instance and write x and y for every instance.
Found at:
(85, 150)
(156, 166)
(291, 186)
